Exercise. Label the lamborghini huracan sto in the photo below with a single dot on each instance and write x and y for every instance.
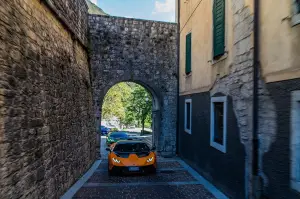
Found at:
(131, 157)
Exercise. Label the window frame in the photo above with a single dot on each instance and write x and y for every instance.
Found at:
(295, 141)
(188, 73)
(189, 131)
(215, 60)
(216, 145)
(295, 14)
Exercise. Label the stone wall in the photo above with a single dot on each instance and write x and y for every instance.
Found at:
(47, 134)
(74, 14)
(140, 51)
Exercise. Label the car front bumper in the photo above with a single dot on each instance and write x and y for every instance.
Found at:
(126, 170)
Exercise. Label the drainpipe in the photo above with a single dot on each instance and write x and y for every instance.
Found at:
(257, 182)
(178, 65)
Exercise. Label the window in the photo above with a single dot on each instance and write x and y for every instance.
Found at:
(218, 28)
(188, 56)
(295, 141)
(218, 123)
(188, 116)
(296, 12)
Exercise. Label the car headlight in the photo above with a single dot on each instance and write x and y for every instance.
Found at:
(150, 159)
(116, 160)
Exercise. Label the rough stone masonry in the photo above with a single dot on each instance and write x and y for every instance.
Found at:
(138, 51)
(47, 134)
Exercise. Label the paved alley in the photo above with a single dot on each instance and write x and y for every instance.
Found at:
(174, 179)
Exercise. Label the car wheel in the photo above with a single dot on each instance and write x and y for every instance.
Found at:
(152, 170)
(111, 173)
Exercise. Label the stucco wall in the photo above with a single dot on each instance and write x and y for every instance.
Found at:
(277, 162)
(225, 170)
(279, 41)
(196, 17)
(47, 133)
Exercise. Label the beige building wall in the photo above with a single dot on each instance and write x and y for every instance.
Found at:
(196, 17)
(280, 41)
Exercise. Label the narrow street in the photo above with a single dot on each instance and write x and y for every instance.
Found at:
(174, 179)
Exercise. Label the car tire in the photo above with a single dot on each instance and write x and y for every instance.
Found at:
(153, 171)
(111, 173)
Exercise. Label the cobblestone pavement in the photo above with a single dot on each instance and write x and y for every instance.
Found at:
(171, 181)
(174, 180)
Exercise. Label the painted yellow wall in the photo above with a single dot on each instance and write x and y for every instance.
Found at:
(196, 17)
(280, 42)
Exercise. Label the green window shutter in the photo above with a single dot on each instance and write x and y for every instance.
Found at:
(188, 55)
(219, 27)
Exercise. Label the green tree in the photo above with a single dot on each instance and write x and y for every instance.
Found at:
(130, 103)
(140, 105)
(115, 102)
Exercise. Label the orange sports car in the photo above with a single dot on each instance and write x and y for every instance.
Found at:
(131, 157)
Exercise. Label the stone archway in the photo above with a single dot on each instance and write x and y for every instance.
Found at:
(156, 110)
(144, 52)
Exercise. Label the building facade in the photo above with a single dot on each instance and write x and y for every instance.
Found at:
(216, 94)
(280, 71)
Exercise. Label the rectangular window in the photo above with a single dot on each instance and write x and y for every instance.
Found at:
(295, 141)
(218, 28)
(296, 12)
(218, 123)
(188, 57)
(188, 116)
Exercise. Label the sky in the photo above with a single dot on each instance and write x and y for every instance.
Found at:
(159, 10)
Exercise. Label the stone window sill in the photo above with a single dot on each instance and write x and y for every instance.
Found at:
(188, 75)
(222, 58)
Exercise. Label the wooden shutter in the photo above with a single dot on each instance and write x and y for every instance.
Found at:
(219, 27)
(188, 55)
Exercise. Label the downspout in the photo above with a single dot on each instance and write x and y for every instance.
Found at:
(257, 182)
(178, 65)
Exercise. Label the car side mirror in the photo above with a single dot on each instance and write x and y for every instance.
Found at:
(153, 148)
(108, 149)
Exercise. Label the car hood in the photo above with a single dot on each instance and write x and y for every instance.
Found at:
(116, 139)
(126, 155)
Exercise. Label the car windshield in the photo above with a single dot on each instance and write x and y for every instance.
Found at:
(131, 147)
(118, 135)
